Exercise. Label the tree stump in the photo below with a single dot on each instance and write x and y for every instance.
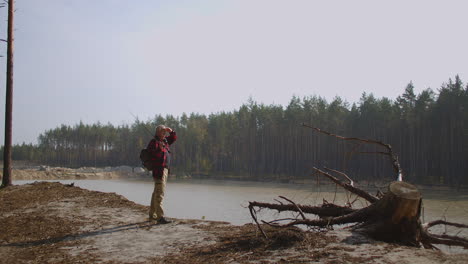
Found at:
(396, 215)
(392, 218)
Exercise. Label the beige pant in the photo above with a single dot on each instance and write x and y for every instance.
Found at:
(156, 209)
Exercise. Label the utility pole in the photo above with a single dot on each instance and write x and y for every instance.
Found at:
(6, 181)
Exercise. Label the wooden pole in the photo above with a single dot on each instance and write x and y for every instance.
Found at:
(6, 180)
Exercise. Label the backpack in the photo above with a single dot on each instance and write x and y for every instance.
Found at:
(145, 157)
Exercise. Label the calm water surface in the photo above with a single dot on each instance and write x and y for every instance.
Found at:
(227, 200)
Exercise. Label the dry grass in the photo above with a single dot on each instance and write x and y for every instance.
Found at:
(244, 244)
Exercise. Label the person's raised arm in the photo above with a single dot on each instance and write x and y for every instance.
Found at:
(172, 135)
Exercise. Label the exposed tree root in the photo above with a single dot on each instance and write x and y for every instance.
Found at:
(394, 216)
(326, 210)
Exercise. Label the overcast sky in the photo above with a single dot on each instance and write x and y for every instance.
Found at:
(101, 60)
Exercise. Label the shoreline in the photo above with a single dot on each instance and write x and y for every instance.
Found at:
(55, 223)
(129, 173)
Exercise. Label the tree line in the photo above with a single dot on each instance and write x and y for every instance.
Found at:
(428, 131)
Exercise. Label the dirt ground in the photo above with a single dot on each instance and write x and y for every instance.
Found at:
(55, 223)
(85, 173)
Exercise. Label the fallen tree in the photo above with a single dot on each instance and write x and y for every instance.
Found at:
(393, 216)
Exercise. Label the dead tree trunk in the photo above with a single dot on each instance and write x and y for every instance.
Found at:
(395, 217)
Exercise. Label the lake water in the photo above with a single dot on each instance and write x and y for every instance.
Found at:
(227, 200)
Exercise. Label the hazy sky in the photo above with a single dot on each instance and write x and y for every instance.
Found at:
(100, 60)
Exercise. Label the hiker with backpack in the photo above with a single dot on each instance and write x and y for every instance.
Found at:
(159, 152)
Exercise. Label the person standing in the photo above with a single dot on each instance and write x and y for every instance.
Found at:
(160, 157)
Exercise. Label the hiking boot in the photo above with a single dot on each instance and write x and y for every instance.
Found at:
(164, 220)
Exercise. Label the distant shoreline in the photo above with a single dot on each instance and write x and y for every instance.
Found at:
(41, 172)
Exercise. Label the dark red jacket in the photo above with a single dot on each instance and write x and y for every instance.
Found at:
(160, 152)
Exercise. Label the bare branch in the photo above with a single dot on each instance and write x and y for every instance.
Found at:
(298, 209)
(350, 153)
(356, 216)
(355, 199)
(271, 224)
(342, 174)
(278, 201)
(283, 219)
(349, 187)
(254, 217)
(446, 240)
(455, 238)
(394, 159)
(442, 222)
(325, 210)
(380, 194)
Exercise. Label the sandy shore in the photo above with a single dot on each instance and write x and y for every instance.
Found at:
(56, 223)
(84, 173)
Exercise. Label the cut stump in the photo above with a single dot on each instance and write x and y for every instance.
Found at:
(396, 215)
(392, 217)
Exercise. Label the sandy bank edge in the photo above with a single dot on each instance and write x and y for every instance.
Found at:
(58, 223)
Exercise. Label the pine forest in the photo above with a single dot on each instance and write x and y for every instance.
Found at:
(428, 131)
